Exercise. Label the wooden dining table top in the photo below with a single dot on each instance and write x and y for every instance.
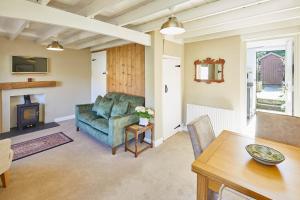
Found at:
(227, 161)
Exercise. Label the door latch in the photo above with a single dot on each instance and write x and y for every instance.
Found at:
(166, 89)
(177, 126)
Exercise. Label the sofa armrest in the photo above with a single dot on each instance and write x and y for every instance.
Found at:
(83, 108)
(117, 127)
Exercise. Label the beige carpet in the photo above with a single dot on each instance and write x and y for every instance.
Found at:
(85, 169)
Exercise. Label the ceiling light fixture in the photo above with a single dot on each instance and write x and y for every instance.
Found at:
(172, 27)
(55, 46)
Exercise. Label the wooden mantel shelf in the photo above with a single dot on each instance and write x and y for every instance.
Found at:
(20, 85)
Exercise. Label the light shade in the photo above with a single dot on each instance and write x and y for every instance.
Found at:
(55, 46)
(172, 27)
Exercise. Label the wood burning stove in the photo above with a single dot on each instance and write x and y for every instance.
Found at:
(27, 113)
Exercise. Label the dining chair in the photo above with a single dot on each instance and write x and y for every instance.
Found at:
(201, 134)
(277, 127)
(6, 156)
(226, 193)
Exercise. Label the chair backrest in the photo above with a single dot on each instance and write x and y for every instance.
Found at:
(280, 128)
(201, 134)
(5, 152)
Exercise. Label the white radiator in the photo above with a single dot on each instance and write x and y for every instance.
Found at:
(221, 119)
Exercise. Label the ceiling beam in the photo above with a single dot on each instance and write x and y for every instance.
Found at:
(111, 44)
(6, 32)
(19, 9)
(52, 32)
(203, 11)
(78, 37)
(90, 11)
(134, 15)
(260, 10)
(244, 23)
(20, 26)
(96, 7)
(250, 31)
(283, 32)
(144, 11)
(96, 42)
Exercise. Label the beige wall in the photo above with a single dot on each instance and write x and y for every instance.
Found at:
(222, 95)
(71, 68)
(149, 73)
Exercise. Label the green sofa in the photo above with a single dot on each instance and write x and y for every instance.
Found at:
(109, 131)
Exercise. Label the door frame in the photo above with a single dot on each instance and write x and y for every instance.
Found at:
(164, 137)
(296, 72)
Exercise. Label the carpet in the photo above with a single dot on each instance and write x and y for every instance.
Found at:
(37, 145)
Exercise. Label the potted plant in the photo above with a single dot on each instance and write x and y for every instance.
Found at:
(145, 115)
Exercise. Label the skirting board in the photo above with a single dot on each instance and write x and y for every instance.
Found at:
(156, 142)
(60, 119)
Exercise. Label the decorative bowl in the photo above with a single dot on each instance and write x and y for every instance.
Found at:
(265, 155)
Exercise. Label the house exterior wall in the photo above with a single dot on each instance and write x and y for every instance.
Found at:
(272, 70)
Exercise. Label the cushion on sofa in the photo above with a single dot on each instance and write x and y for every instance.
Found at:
(104, 107)
(114, 96)
(134, 101)
(96, 103)
(87, 117)
(119, 109)
(100, 124)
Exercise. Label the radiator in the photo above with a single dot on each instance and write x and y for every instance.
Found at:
(221, 119)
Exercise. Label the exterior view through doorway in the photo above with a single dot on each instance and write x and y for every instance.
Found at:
(270, 77)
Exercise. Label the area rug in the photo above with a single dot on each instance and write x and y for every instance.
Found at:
(37, 145)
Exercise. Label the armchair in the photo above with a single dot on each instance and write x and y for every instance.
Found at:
(6, 156)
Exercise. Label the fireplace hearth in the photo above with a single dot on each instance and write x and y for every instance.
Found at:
(27, 114)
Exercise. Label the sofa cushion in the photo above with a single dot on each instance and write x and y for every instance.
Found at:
(104, 107)
(87, 117)
(96, 103)
(119, 109)
(100, 124)
(114, 96)
(134, 101)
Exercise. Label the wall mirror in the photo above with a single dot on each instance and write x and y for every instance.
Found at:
(209, 70)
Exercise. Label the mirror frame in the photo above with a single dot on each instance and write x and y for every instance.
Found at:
(209, 61)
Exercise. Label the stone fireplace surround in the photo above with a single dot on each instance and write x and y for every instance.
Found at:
(10, 98)
(13, 91)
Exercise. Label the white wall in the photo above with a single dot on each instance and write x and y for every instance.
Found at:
(297, 75)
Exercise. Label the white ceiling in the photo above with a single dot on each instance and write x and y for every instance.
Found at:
(203, 19)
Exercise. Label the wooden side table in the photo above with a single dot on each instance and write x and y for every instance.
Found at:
(138, 130)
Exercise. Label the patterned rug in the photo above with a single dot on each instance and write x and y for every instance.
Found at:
(37, 145)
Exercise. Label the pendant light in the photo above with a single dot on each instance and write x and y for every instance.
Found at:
(172, 27)
(55, 46)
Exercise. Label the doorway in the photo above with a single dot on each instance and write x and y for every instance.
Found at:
(98, 76)
(270, 77)
(172, 96)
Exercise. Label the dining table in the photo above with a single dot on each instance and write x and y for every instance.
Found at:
(226, 162)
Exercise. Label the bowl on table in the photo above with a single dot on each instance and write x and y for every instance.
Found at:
(265, 155)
